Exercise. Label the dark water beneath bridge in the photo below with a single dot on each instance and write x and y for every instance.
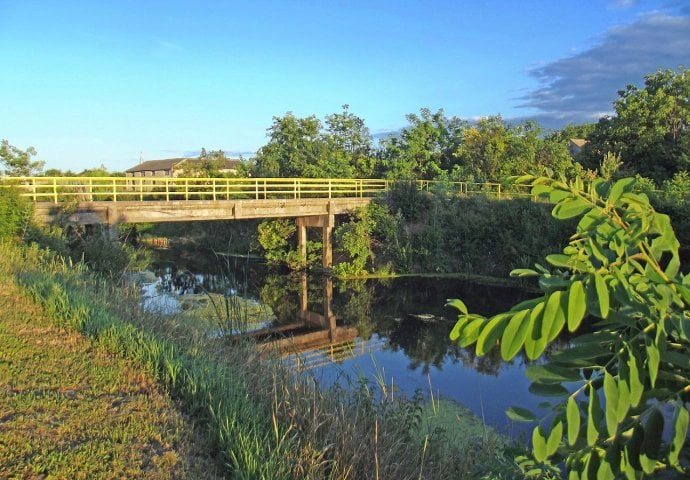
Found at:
(394, 330)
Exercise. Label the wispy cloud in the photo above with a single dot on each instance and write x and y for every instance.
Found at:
(582, 88)
(163, 45)
(624, 3)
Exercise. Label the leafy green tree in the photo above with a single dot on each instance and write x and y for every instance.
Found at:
(622, 384)
(295, 146)
(651, 127)
(350, 144)
(18, 162)
(425, 149)
(483, 149)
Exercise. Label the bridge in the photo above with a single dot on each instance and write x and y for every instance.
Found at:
(111, 201)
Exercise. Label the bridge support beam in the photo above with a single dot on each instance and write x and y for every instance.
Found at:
(112, 223)
(325, 222)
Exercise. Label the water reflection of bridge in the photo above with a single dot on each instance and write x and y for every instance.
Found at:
(314, 339)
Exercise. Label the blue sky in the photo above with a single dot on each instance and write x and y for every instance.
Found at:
(93, 82)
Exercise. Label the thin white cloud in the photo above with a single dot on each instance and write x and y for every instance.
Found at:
(579, 88)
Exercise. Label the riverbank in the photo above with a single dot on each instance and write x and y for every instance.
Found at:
(69, 409)
(263, 421)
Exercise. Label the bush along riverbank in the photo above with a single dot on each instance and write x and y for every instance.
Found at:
(261, 420)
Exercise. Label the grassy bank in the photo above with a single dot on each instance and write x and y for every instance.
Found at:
(72, 410)
(261, 420)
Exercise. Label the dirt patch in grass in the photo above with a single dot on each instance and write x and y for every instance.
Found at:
(70, 410)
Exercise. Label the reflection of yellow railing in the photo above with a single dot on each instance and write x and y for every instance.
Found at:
(333, 353)
(116, 189)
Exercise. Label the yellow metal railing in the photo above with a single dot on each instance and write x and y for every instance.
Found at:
(168, 189)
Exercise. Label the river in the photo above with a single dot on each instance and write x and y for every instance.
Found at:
(392, 330)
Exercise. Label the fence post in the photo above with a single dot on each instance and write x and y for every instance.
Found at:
(214, 189)
(167, 189)
(499, 191)
(114, 191)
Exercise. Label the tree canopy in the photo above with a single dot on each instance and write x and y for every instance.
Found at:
(651, 127)
(18, 162)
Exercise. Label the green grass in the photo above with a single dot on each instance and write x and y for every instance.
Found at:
(72, 410)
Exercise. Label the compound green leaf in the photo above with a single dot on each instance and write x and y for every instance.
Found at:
(554, 439)
(552, 374)
(570, 208)
(535, 341)
(538, 445)
(594, 417)
(622, 186)
(523, 272)
(611, 395)
(573, 416)
(519, 414)
(457, 303)
(577, 305)
(457, 328)
(602, 295)
(653, 360)
(634, 383)
(490, 333)
(514, 335)
(680, 431)
(623, 400)
(548, 389)
(471, 332)
(553, 319)
(559, 260)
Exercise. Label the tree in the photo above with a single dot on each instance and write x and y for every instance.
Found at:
(18, 162)
(483, 149)
(294, 148)
(425, 149)
(619, 275)
(651, 128)
(349, 144)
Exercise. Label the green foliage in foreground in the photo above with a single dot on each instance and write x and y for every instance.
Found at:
(621, 386)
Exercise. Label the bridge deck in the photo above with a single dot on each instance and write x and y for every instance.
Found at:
(193, 210)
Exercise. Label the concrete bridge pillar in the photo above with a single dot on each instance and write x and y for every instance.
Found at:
(325, 222)
(112, 223)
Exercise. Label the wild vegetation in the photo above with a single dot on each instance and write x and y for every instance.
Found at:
(618, 386)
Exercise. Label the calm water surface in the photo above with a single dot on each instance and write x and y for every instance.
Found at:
(395, 330)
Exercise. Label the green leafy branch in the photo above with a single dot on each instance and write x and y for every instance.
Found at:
(620, 384)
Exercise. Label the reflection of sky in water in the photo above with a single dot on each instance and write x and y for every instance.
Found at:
(156, 300)
(487, 396)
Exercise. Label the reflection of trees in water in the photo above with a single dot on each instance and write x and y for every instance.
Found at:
(281, 293)
(353, 304)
